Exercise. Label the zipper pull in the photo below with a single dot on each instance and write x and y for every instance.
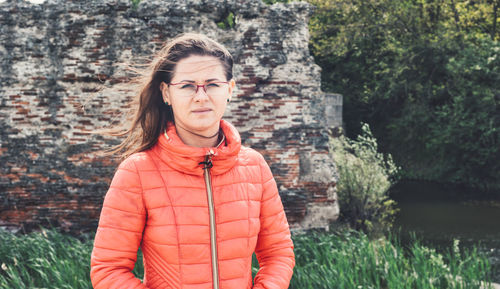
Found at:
(207, 164)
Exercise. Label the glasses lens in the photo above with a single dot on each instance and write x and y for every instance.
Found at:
(216, 89)
(185, 89)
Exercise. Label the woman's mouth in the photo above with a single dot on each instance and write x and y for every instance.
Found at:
(201, 110)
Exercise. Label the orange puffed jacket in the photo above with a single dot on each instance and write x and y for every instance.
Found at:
(198, 215)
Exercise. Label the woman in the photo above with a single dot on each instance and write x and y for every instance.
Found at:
(196, 201)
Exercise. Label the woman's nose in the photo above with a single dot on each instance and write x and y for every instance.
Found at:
(200, 93)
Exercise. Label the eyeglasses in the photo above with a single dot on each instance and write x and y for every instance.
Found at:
(213, 89)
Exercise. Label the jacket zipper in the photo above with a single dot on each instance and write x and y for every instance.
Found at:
(211, 213)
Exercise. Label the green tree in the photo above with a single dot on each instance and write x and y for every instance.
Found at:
(424, 75)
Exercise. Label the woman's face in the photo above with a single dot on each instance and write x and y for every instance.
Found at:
(199, 112)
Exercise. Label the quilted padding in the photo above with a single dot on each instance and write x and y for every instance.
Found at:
(158, 201)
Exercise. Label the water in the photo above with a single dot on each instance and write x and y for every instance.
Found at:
(438, 214)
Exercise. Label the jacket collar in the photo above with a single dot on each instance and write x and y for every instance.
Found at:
(171, 150)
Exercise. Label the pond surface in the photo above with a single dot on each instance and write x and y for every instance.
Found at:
(438, 214)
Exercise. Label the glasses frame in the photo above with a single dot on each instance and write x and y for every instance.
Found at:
(199, 85)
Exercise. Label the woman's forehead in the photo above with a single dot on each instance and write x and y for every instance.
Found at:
(198, 68)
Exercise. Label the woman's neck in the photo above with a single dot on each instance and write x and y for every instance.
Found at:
(195, 139)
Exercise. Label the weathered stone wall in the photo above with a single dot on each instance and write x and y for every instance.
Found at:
(61, 59)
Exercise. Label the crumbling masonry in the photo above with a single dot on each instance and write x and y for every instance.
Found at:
(61, 61)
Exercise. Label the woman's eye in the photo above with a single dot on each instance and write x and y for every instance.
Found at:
(212, 85)
(187, 86)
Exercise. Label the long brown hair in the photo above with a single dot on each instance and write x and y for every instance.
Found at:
(148, 113)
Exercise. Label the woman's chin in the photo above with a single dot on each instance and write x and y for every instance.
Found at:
(204, 126)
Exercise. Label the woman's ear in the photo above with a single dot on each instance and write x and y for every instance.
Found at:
(164, 93)
(232, 85)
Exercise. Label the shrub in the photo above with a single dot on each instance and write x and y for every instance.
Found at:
(365, 177)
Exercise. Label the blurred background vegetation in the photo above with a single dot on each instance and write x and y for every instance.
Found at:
(424, 75)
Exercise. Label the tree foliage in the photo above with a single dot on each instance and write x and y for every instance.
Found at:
(424, 74)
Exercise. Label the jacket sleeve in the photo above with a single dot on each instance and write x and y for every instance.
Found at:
(119, 233)
(274, 248)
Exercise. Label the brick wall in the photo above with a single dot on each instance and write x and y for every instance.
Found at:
(61, 61)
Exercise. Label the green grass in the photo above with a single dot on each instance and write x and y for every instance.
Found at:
(347, 259)
(350, 260)
(44, 259)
